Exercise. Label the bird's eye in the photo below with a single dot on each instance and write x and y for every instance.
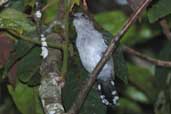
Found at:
(83, 15)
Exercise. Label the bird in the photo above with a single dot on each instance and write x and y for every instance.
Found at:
(91, 46)
(122, 2)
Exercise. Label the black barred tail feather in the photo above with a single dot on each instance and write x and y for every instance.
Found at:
(108, 93)
(91, 47)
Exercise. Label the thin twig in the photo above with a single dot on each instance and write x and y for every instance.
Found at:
(85, 6)
(37, 42)
(47, 5)
(111, 48)
(58, 19)
(166, 29)
(147, 58)
(54, 23)
(38, 17)
(65, 48)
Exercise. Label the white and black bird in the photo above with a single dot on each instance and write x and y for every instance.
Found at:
(91, 45)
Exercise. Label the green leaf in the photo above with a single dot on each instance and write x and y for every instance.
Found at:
(158, 10)
(20, 49)
(161, 73)
(163, 81)
(76, 77)
(22, 5)
(26, 99)
(143, 79)
(12, 19)
(113, 22)
(29, 65)
(35, 80)
(30, 3)
(136, 95)
(51, 11)
(17, 4)
(130, 106)
(120, 66)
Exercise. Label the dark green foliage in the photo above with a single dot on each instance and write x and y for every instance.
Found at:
(105, 19)
(161, 72)
(51, 11)
(127, 106)
(163, 81)
(26, 99)
(75, 80)
(29, 65)
(142, 79)
(20, 49)
(12, 19)
(28, 59)
(142, 90)
(7, 104)
(120, 66)
(35, 79)
(159, 9)
(18, 4)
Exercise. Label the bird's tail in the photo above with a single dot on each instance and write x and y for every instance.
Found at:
(107, 91)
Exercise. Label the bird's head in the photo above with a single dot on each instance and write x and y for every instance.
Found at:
(81, 20)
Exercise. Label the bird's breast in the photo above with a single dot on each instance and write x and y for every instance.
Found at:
(91, 48)
(89, 57)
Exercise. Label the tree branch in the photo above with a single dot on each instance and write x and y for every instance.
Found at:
(66, 35)
(147, 58)
(84, 5)
(111, 48)
(58, 18)
(51, 81)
